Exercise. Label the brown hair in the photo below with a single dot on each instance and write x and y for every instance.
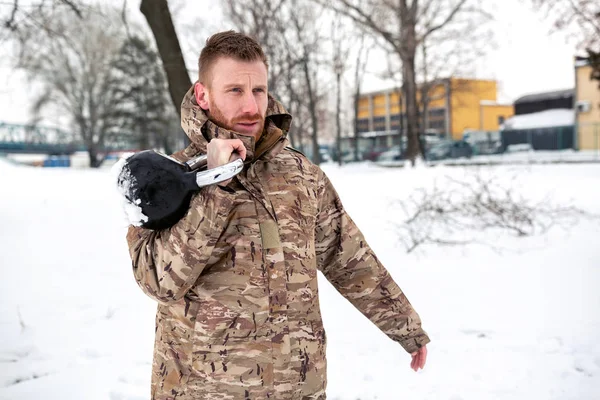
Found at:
(228, 44)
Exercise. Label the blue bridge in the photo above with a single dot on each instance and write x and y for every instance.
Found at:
(34, 139)
(15, 138)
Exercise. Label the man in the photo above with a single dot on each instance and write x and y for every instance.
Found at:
(236, 277)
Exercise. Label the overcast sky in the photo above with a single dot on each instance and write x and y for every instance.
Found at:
(528, 59)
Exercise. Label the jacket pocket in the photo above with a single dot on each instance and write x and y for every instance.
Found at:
(237, 362)
(171, 367)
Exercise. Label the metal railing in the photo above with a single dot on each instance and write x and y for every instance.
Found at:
(580, 143)
(19, 138)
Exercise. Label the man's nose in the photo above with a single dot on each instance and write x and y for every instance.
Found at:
(250, 105)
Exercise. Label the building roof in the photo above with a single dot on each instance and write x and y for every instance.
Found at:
(556, 94)
(542, 119)
(581, 61)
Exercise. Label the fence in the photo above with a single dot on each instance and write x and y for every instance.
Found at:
(554, 138)
(579, 143)
(575, 143)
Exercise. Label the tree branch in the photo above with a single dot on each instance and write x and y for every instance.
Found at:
(10, 22)
(366, 20)
(595, 24)
(445, 22)
(73, 7)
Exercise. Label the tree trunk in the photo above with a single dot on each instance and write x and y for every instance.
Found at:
(144, 143)
(338, 123)
(292, 97)
(93, 155)
(401, 97)
(356, 140)
(410, 88)
(425, 88)
(312, 106)
(407, 53)
(424, 120)
(159, 19)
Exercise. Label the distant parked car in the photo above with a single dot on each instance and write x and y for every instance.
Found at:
(431, 138)
(348, 156)
(373, 153)
(392, 154)
(450, 149)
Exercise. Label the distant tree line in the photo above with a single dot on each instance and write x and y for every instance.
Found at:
(117, 84)
(101, 74)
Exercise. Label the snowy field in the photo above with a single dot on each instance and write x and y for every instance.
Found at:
(516, 158)
(523, 323)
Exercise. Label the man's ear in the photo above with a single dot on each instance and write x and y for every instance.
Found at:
(201, 94)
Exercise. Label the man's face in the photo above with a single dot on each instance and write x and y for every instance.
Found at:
(235, 95)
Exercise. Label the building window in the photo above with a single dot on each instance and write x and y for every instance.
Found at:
(437, 112)
(362, 125)
(379, 124)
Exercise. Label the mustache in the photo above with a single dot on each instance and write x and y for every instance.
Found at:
(248, 119)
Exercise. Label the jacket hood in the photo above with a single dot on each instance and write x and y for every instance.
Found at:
(201, 130)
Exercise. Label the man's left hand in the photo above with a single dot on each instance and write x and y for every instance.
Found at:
(418, 358)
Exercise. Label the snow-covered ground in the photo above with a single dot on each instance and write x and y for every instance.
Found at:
(516, 158)
(520, 324)
(532, 157)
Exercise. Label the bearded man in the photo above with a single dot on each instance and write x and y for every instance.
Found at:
(236, 278)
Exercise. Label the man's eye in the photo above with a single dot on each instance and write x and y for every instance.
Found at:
(237, 90)
(259, 90)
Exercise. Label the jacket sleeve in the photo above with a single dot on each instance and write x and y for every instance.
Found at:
(167, 263)
(350, 265)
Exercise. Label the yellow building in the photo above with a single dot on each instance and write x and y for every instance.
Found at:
(587, 107)
(455, 105)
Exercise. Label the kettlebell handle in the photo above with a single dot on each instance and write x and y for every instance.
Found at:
(214, 175)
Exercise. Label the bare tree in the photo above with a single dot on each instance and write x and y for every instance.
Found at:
(286, 30)
(583, 16)
(18, 17)
(444, 54)
(74, 65)
(447, 53)
(340, 55)
(294, 97)
(362, 55)
(159, 19)
(403, 26)
(146, 110)
(265, 21)
(582, 19)
(262, 20)
(308, 40)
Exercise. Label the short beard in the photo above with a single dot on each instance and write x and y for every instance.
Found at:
(215, 115)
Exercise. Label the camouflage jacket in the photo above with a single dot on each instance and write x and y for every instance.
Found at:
(236, 278)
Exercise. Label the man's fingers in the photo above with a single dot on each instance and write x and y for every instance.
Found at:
(237, 148)
(418, 359)
(222, 151)
(415, 362)
(240, 149)
(421, 358)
